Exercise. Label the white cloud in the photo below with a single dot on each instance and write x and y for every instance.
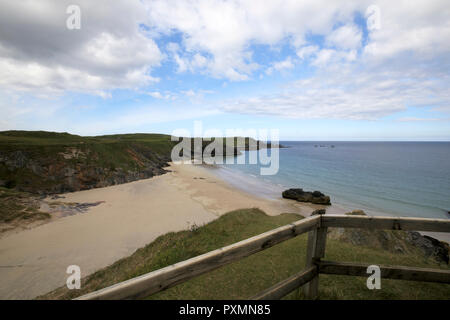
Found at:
(156, 94)
(286, 64)
(197, 63)
(404, 62)
(167, 95)
(345, 92)
(39, 54)
(348, 36)
(224, 30)
(281, 65)
(416, 27)
(217, 36)
(323, 57)
(189, 93)
(307, 51)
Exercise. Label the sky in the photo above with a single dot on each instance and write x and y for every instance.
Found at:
(314, 70)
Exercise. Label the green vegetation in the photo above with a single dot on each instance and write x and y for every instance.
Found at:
(242, 279)
(36, 161)
(17, 206)
(49, 142)
(51, 162)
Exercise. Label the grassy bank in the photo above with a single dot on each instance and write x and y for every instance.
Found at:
(247, 277)
(50, 162)
(16, 206)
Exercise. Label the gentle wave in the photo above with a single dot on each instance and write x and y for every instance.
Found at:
(394, 178)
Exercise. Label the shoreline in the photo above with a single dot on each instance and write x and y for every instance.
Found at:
(256, 185)
(128, 216)
(382, 187)
(125, 218)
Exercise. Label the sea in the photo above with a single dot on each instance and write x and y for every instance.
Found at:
(410, 179)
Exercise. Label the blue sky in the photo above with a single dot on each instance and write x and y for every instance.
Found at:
(351, 70)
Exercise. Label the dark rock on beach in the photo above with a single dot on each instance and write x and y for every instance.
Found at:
(298, 194)
(318, 211)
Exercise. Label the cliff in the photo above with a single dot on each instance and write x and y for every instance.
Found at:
(45, 162)
(42, 162)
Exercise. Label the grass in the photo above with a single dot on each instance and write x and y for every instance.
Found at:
(43, 152)
(243, 279)
(35, 160)
(16, 206)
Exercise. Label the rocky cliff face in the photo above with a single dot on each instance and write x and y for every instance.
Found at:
(74, 169)
(43, 162)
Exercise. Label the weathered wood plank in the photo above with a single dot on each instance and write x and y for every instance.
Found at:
(167, 277)
(316, 251)
(388, 272)
(288, 285)
(387, 223)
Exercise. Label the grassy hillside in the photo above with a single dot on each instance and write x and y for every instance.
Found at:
(241, 280)
(50, 162)
(44, 142)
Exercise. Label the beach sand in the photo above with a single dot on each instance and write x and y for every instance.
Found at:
(34, 261)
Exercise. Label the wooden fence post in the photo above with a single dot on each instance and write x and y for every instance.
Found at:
(315, 251)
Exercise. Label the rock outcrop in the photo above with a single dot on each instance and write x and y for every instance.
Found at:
(298, 194)
(431, 247)
(43, 162)
(399, 242)
(41, 173)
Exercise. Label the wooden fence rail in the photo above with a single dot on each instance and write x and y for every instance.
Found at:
(167, 277)
(388, 272)
(158, 280)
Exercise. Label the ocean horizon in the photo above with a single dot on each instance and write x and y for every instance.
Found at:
(381, 178)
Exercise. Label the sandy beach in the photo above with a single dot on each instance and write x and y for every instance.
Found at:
(129, 216)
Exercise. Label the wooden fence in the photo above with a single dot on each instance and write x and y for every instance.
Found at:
(158, 280)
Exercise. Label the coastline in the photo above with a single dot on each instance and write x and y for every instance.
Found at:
(367, 176)
(130, 215)
(127, 217)
(256, 185)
